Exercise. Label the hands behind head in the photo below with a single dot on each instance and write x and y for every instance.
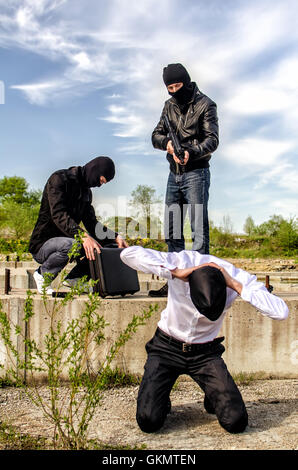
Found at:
(183, 275)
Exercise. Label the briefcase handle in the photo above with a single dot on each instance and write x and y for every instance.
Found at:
(111, 245)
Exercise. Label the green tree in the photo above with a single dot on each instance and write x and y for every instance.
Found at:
(226, 225)
(15, 188)
(143, 197)
(143, 200)
(249, 226)
(18, 206)
(271, 227)
(18, 219)
(287, 236)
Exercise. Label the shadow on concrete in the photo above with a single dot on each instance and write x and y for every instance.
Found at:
(263, 415)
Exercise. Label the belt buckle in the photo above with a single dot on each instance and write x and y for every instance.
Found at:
(186, 347)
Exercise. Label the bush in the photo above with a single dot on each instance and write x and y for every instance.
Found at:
(70, 347)
(287, 236)
(18, 246)
(18, 219)
(159, 245)
(220, 238)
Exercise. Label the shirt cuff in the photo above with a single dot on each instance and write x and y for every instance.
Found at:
(165, 271)
(246, 293)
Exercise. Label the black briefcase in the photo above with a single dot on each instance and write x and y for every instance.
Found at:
(112, 275)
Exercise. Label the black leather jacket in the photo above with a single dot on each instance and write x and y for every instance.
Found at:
(197, 130)
(66, 202)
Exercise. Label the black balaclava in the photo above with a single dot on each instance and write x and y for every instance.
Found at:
(99, 166)
(208, 291)
(176, 73)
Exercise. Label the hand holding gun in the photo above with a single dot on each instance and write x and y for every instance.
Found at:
(178, 150)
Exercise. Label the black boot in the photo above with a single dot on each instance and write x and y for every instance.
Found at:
(162, 292)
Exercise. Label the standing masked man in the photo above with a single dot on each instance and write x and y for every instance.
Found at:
(193, 117)
(66, 202)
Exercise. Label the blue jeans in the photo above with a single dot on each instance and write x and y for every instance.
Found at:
(53, 255)
(187, 192)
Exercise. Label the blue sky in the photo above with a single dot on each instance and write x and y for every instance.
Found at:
(82, 79)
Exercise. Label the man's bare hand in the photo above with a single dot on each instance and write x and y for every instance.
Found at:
(170, 148)
(89, 245)
(230, 281)
(183, 274)
(186, 158)
(171, 151)
(121, 242)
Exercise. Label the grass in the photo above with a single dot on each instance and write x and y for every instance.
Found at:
(247, 378)
(118, 378)
(5, 382)
(10, 439)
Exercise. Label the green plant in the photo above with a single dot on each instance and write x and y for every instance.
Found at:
(18, 246)
(18, 218)
(287, 236)
(159, 245)
(66, 349)
(10, 439)
(246, 378)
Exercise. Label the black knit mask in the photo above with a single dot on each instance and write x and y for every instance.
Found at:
(177, 73)
(208, 291)
(183, 95)
(99, 166)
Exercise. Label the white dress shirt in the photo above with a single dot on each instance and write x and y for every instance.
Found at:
(180, 318)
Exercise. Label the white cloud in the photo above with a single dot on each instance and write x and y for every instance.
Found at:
(285, 206)
(40, 93)
(129, 124)
(289, 181)
(255, 98)
(262, 153)
(248, 58)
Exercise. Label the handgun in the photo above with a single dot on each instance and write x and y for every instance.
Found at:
(178, 150)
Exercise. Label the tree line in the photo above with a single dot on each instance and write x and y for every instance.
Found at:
(19, 208)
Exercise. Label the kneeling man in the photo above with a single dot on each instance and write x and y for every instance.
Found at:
(66, 202)
(201, 290)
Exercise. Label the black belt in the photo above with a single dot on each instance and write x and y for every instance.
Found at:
(186, 347)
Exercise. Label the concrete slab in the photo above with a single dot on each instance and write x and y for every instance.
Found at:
(22, 277)
(253, 342)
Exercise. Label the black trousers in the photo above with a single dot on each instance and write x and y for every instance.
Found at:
(166, 362)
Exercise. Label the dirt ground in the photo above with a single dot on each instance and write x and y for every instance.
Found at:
(271, 405)
(264, 265)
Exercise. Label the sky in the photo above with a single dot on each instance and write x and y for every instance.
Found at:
(83, 79)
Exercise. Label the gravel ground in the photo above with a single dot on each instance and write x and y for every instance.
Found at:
(271, 405)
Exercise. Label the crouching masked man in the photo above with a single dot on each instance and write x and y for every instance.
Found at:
(201, 290)
(66, 202)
